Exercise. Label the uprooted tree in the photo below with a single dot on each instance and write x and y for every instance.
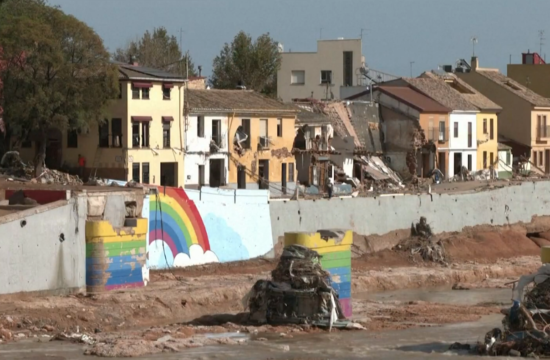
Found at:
(157, 50)
(56, 72)
(247, 63)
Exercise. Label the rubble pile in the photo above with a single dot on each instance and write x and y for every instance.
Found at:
(299, 293)
(421, 242)
(526, 324)
(13, 168)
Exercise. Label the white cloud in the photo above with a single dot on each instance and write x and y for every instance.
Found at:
(196, 257)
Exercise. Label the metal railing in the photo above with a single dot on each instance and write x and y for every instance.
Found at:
(436, 134)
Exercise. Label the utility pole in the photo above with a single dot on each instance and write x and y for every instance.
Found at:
(541, 41)
(411, 65)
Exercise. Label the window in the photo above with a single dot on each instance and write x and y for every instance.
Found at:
(263, 127)
(217, 132)
(246, 129)
(135, 92)
(279, 127)
(485, 159)
(104, 134)
(166, 93)
(72, 139)
(348, 68)
(540, 158)
(290, 172)
(298, 77)
(535, 157)
(485, 126)
(145, 173)
(491, 130)
(470, 142)
(455, 129)
(135, 172)
(145, 134)
(326, 77)
(491, 157)
(442, 131)
(166, 134)
(116, 132)
(200, 126)
(145, 93)
(135, 134)
(469, 162)
(508, 158)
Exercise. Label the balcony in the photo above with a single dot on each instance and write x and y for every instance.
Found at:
(437, 134)
(264, 142)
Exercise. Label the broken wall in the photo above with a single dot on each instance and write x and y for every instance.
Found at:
(43, 249)
(193, 227)
(385, 214)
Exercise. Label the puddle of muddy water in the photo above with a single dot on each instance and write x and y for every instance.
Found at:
(442, 296)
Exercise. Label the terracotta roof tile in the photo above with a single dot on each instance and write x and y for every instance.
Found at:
(233, 100)
(442, 93)
(414, 99)
(515, 87)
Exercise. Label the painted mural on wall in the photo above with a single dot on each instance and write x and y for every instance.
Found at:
(177, 235)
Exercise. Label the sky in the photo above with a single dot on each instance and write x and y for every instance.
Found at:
(397, 32)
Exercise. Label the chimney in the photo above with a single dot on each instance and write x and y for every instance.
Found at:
(475, 63)
(200, 70)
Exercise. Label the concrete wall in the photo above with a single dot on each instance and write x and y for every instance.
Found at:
(192, 227)
(386, 214)
(44, 248)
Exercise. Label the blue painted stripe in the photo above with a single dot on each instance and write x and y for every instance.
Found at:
(113, 259)
(340, 278)
(341, 286)
(340, 270)
(118, 277)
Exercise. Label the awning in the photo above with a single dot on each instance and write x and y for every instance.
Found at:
(141, 118)
(167, 118)
(167, 85)
(142, 85)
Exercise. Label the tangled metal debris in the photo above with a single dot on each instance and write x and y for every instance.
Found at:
(423, 243)
(300, 292)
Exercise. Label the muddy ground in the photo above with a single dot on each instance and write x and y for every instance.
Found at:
(179, 306)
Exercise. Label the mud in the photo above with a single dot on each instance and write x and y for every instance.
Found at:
(185, 304)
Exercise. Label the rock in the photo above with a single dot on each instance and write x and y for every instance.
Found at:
(48, 328)
(164, 339)
(282, 335)
(355, 326)
(514, 353)
(9, 319)
(284, 347)
(20, 335)
(5, 334)
(69, 316)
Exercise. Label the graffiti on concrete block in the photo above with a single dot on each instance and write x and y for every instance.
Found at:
(177, 235)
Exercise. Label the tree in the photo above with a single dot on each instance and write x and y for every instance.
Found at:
(56, 72)
(158, 50)
(248, 63)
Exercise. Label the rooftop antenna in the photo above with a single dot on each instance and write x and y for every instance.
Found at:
(363, 30)
(541, 40)
(474, 42)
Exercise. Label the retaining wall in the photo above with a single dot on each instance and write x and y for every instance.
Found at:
(43, 248)
(385, 214)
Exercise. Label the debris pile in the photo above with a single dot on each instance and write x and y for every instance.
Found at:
(14, 169)
(526, 324)
(299, 293)
(423, 243)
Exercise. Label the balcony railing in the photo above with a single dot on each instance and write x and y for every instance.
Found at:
(543, 132)
(437, 134)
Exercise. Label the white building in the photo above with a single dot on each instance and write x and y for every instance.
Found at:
(206, 148)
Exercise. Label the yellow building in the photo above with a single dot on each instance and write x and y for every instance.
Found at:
(262, 157)
(523, 120)
(533, 73)
(486, 118)
(141, 140)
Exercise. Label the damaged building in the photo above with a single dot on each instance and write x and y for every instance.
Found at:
(239, 139)
(415, 131)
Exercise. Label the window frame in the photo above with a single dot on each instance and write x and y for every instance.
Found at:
(292, 77)
(279, 127)
(136, 169)
(145, 93)
(166, 90)
(455, 129)
(200, 126)
(117, 133)
(103, 141)
(136, 93)
(72, 139)
(166, 134)
(325, 81)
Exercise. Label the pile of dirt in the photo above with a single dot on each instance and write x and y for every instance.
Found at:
(423, 244)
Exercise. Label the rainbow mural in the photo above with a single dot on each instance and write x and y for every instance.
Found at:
(335, 258)
(177, 235)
